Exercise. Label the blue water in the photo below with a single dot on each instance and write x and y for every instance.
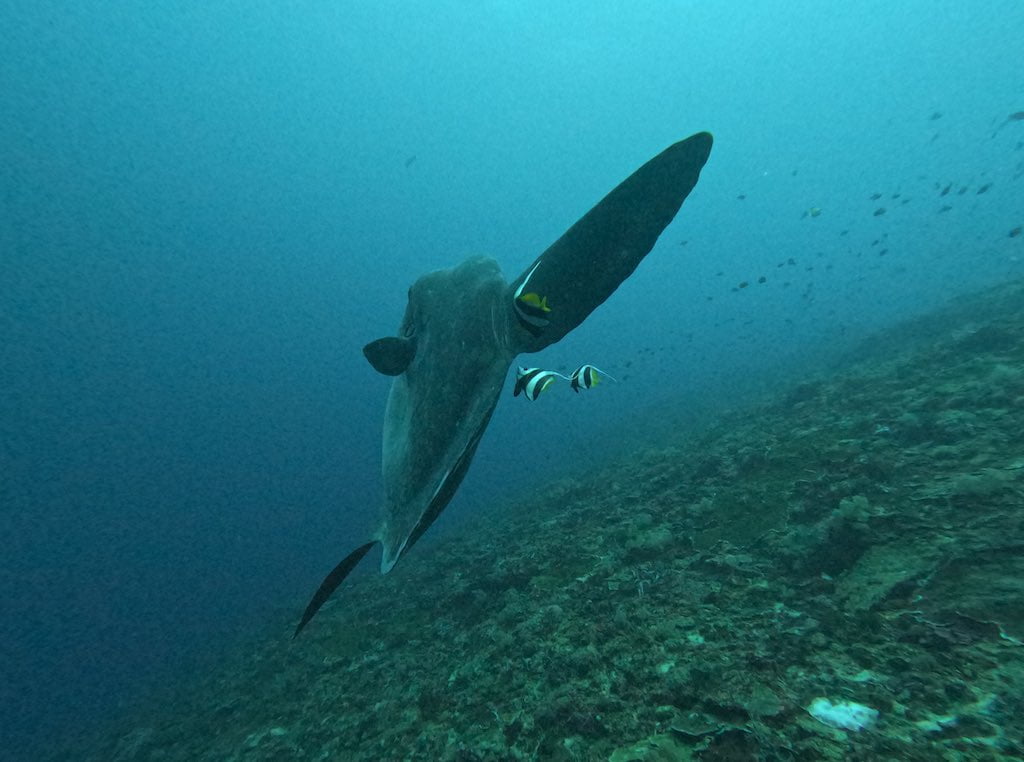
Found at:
(206, 209)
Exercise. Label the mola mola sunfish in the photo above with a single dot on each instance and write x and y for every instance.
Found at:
(464, 326)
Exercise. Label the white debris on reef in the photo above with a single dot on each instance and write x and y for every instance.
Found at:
(847, 715)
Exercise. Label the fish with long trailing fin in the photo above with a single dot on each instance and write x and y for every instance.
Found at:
(464, 327)
(532, 381)
(587, 377)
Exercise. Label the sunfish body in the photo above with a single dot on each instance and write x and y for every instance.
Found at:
(463, 328)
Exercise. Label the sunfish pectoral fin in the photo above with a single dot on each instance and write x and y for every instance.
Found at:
(390, 355)
(331, 582)
(583, 267)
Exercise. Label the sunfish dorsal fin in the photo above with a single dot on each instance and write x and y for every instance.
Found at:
(583, 267)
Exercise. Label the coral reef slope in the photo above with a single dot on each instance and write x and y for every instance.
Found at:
(860, 538)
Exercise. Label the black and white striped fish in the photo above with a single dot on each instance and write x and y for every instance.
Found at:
(532, 381)
(531, 309)
(586, 377)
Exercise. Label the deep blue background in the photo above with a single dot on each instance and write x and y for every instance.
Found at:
(206, 211)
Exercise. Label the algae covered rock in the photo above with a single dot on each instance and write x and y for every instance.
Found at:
(658, 748)
(650, 543)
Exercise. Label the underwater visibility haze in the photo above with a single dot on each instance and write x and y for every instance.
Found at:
(208, 210)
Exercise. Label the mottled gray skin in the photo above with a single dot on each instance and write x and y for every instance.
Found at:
(440, 405)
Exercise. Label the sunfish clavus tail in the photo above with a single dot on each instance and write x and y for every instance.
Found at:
(463, 328)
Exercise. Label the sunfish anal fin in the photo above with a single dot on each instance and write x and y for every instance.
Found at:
(330, 584)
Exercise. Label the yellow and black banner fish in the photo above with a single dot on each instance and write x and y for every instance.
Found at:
(586, 377)
(531, 308)
(532, 381)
